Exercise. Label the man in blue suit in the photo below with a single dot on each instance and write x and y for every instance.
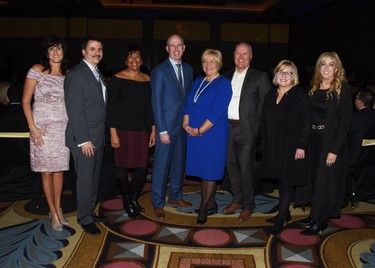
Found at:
(171, 81)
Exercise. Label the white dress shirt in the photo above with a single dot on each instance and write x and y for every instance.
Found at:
(237, 82)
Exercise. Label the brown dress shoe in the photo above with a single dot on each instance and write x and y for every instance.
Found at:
(232, 207)
(159, 213)
(180, 203)
(244, 215)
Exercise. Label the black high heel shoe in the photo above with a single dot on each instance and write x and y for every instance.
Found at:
(315, 228)
(306, 223)
(278, 227)
(288, 217)
(130, 208)
(210, 211)
(136, 205)
(202, 216)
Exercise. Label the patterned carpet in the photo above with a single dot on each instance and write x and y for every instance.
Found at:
(27, 239)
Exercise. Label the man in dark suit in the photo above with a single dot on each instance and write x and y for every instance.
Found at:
(244, 113)
(168, 98)
(85, 99)
(363, 119)
(12, 118)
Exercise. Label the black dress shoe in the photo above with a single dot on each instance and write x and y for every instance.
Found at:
(306, 223)
(315, 228)
(100, 218)
(91, 228)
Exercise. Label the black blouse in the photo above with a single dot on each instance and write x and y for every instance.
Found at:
(129, 105)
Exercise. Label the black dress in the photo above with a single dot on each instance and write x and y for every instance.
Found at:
(285, 127)
(329, 182)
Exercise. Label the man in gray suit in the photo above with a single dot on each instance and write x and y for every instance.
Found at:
(244, 113)
(85, 100)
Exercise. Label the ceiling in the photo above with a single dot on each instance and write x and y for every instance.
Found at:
(263, 11)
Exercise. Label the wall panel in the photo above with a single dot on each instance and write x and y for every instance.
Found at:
(237, 32)
(189, 30)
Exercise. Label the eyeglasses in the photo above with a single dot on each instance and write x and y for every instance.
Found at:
(287, 74)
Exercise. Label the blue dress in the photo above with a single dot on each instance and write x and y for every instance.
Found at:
(206, 154)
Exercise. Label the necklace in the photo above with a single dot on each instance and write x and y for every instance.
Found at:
(200, 91)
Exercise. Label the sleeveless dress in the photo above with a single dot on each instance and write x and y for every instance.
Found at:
(50, 116)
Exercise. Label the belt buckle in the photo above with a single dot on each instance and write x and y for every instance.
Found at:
(317, 127)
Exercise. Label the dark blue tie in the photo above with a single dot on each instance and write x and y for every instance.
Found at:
(180, 76)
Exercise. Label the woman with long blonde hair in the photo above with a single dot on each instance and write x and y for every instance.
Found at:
(331, 120)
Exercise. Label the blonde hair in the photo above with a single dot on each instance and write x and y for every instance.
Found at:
(215, 53)
(338, 77)
(281, 66)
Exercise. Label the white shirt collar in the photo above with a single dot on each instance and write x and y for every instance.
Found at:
(92, 68)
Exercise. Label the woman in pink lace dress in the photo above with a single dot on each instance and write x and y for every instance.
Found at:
(47, 121)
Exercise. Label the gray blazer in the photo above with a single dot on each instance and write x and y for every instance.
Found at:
(85, 107)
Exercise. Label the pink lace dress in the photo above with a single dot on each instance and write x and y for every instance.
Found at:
(50, 116)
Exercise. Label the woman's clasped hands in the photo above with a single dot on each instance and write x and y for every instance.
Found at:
(192, 131)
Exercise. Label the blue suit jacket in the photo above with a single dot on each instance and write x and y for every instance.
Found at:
(167, 97)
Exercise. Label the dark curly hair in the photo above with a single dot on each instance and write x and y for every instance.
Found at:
(133, 48)
(52, 42)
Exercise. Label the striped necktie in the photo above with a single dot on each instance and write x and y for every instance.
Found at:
(179, 73)
(97, 75)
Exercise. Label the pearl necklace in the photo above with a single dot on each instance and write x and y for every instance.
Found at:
(200, 91)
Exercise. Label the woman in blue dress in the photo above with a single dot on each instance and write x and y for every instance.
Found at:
(206, 124)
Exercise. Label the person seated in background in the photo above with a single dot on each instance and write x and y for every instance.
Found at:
(4, 86)
(12, 118)
(363, 119)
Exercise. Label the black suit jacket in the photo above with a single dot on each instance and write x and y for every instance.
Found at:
(362, 120)
(254, 89)
(85, 107)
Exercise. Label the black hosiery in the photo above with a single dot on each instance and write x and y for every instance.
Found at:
(285, 198)
(208, 193)
(138, 179)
